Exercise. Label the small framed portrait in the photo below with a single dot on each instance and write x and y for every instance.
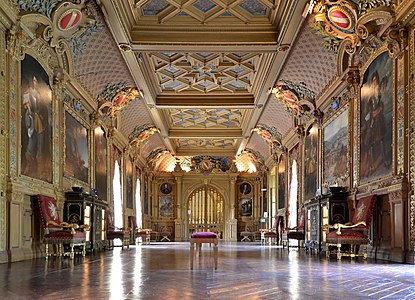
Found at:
(166, 188)
(245, 188)
(245, 207)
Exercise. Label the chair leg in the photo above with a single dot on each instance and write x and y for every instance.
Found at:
(71, 255)
(339, 253)
(83, 249)
(215, 254)
(47, 250)
(192, 250)
(365, 252)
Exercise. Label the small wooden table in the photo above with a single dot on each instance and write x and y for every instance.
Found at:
(199, 238)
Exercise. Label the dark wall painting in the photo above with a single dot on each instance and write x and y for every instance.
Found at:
(245, 207)
(101, 184)
(336, 145)
(376, 107)
(129, 182)
(36, 124)
(310, 162)
(76, 149)
(281, 183)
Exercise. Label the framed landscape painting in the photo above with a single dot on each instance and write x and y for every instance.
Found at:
(76, 149)
(336, 148)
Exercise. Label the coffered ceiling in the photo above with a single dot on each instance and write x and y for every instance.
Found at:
(205, 68)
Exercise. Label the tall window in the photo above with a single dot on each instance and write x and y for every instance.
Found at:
(138, 211)
(292, 220)
(117, 188)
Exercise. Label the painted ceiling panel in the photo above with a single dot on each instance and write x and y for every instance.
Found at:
(309, 61)
(95, 69)
(276, 115)
(257, 143)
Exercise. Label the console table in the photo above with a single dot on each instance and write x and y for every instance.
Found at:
(85, 209)
(320, 211)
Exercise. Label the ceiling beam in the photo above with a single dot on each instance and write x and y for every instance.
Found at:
(206, 101)
(205, 133)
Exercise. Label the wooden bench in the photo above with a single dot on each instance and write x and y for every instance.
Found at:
(198, 238)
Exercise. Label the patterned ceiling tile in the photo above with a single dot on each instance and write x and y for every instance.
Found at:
(154, 7)
(309, 61)
(135, 113)
(204, 71)
(206, 143)
(204, 5)
(153, 142)
(276, 115)
(257, 143)
(254, 7)
(205, 11)
(95, 69)
(205, 118)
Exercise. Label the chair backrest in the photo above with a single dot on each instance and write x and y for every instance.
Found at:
(132, 221)
(48, 211)
(109, 220)
(301, 220)
(364, 210)
(277, 221)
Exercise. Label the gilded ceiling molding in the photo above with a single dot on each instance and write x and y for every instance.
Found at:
(255, 155)
(63, 20)
(273, 138)
(114, 98)
(141, 133)
(343, 24)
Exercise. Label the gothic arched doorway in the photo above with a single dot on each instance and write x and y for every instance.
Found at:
(205, 210)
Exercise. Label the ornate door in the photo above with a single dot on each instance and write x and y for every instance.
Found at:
(205, 210)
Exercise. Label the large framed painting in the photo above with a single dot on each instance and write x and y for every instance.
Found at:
(36, 121)
(145, 195)
(376, 108)
(281, 183)
(76, 149)
(245, 207)
(166, 206)
(336, 148)
(101, 183)
(311, 162)
(129, 182)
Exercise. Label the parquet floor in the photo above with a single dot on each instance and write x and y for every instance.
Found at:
(245, 271)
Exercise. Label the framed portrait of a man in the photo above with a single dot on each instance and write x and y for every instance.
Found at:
(376, 115)
(101, 184)
(76, 149)
(36, 121)
(281, 183)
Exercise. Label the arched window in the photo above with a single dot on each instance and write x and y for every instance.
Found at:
(117, 188)
(292, 219)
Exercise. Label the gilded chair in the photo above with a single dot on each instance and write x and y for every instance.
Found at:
(347, 238)
(295, 233)
(113, 232)
(144, 234)
(60, 235)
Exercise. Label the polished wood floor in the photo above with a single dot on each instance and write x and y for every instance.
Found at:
(245, 271)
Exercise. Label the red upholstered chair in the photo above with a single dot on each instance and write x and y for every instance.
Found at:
(112, 232)
(59, 234)
(296, 233)
(271, 236)
(145, 234)
(353, 234)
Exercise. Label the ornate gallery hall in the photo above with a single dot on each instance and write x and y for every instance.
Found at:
(207, 149)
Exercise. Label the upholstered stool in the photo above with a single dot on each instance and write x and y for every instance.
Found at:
(246, 236)
(199, 238)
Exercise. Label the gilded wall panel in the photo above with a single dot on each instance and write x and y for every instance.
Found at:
(3, 141)
(412, 142)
